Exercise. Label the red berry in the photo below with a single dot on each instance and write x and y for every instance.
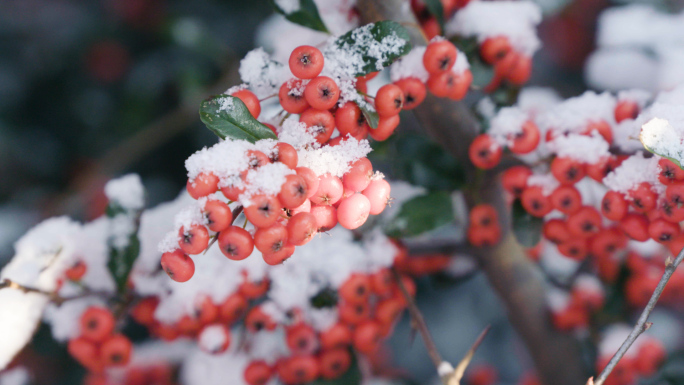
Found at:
(293, 192)
(86, 352)
(439, 57)
(310, 178)
(320, 123)
(306, 62)
(378, 194)
(291, 96)
(97, 323)
(257, 320)
(444, 84)
(203, 185)
(414, 92)
(322, 93)
(635, 226)
(232, 308)
(484, 152)
(461, 85)
(116, 350)
(367, 337)
(602, 127)
(353, 313)
(236, 243)
(256, 159)
(527, 140)
(389, 100)
(599, 170)
(326, 216)
(334, 363)
(301, 228)
(264, 210)
(359, 175)
(483, 236)
(566, 199)
(584, 222)
(670, 211)
(178, 265)
(521, 71)
(270, 239)
(356, 289)
(388, 311)
(250, 100)
(329, 190)
(258, 373)
(350, 120)
(386, 127)
(556, 231)
(301, 338)
(669, 172)
(663, 231)
(575, 248)
(285, 154)
(299, 370)
(193, 240)
(353, 211)
(218, 214)
(483, 215)
(567, 171)
(606, 242)
(514, 179)
(494, 49)
(143, 311)
(337, 336)
(535, 202)
(626, 109)
(76, 271)
(644, 199)
(614, 206)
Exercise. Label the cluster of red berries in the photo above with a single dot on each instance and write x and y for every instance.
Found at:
(483, 226)
(582, 303)
(98, 346)
(306, 204)
(207, 314)
(485, 152)
(509, 65)
(650, 354)
(645, 273)
(368, 306)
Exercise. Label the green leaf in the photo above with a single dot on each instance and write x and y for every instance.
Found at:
(327, 297)
(369, 113)
(437, 10)
(527, 228)
(482, 72)
(307, 15)
(121, 259)
(351, 377)
(363, 42)
(420, 214)
(228, 117)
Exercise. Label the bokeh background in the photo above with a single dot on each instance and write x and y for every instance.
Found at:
(92, 89)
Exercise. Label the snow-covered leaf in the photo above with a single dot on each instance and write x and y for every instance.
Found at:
(420, 214)
(21, 314)
(306, 14)
(366, 40)
(660, 138)
(527, 228)
(228, 117)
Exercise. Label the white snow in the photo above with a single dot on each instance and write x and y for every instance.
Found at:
(588, 149)
(15, 376)
(572, 115)
(633, 171)
(263, 75)
(410, 65)
(515, 19)
(335, 160)
(288, 6)
(127, 191)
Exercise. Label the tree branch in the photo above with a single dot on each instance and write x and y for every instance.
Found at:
(642, 325)
(515, 279)
(53, 296)
(419, 322)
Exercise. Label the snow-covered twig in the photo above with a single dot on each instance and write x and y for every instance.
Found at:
(642, 325)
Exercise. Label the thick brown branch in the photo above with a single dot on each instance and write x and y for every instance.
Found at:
(511, 274)
(642, 325)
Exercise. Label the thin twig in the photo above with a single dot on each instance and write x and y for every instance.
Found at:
(641, 325)
(419, 322)
(460, 369)
(54, 297)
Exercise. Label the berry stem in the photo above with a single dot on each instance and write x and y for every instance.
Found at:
(642, 325)
(365, 94)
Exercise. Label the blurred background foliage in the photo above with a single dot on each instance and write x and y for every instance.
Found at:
(91, 89)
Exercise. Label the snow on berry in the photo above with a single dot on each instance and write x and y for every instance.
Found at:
(573, 115)
(410, 65)
(583, 148)
(127, 192)
(516, 20)
(633, 171)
